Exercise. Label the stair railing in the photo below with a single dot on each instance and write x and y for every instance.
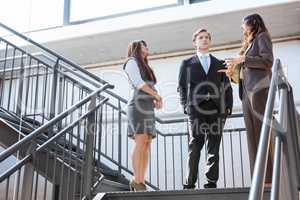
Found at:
(66, 161)
(286, 174)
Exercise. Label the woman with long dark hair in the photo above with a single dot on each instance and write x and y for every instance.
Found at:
(140, 109)
(255, 60)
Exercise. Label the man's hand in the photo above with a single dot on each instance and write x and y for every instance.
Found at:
(184, 110)
(228, 111)
(228, 71)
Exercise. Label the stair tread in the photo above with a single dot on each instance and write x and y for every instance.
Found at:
(191, 191)
(178, 194)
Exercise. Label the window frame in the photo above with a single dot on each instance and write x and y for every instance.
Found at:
(67, 12)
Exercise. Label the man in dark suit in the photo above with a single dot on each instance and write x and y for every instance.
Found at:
(206, 96)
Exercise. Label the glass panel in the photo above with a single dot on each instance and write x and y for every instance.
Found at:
(27, 15)
(88, 9)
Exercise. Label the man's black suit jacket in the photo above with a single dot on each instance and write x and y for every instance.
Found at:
(195, 86)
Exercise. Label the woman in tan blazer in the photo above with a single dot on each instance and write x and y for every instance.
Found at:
(256, 60)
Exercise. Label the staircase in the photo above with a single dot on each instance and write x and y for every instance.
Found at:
(45, 106)
(64, 137)
(112, 180)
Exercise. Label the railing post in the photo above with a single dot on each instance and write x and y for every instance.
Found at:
(88, 165)
(119, 137)
(257, 185)
(280, 129)
(27, 184)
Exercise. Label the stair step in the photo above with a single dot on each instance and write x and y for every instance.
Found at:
(109, 186)
(201, 194)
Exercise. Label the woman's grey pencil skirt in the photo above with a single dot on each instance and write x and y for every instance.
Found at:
(141, 118)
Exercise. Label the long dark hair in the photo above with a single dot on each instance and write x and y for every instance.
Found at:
(257, 26)
(135, 50)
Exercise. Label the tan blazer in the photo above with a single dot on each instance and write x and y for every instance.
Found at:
(258, 63)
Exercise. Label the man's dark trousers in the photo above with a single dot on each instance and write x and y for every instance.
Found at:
(204, 127)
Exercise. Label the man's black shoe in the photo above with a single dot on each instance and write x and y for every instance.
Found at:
(188, 187)
(210, 185)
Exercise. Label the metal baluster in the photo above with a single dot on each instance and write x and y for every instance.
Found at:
(90, 134)
(181, 159)
(54, 90)
(106, 131)
(70, 144)
(232, 163)
(157, 162)
(55, 191)
(173, 158)
(4, 74)
(150, 165)
(76, 164)
(64, 100)
(27, 86)
(72, 101)
(36, 94)
(165, 150)
(44, 96)
(112, 133)
(127, 148)
(20, 89)
(36, 163)
(7, 188)
(95, 132)
(84, 157)
(223, 154)
(242, 165)
(17, 185)
(80, 167)
(46, 172)
(120, 137)
(61, 183)
(70, 147)
(11, 79)
(100, 135)
(31, 92)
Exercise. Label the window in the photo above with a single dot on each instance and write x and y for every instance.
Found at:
(89, 9)
(28, 15)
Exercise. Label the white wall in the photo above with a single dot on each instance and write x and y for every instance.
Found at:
(167, 69)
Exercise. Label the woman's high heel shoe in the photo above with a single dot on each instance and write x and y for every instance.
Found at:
(137, 186)
(131, 185)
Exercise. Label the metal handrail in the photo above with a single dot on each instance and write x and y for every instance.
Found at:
(77, 67)
(12, 149)
(278, 81)
(262, 152)
(44, 63)
(53, 53)
(27, 158)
